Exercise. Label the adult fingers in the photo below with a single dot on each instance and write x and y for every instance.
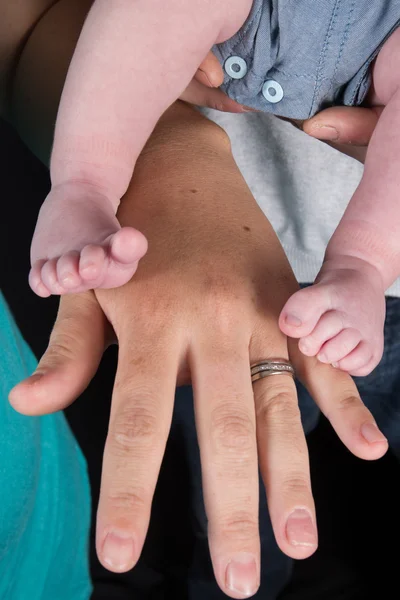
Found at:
(202, 95)
(210, 72)
(226, 431)
(75, 349)
(283, 454)
(202, 91)
(344, 124)
(139, 424)
(337, 396)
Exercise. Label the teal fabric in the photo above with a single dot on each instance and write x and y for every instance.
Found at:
(44, 492)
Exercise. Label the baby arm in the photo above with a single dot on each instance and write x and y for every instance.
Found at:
(341, 317)
(133, 59)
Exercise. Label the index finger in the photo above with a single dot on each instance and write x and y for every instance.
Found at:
(140, 420)
(210, 72)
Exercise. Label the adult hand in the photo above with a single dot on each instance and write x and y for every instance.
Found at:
(203, 89)
(202, 307)
(348, 129)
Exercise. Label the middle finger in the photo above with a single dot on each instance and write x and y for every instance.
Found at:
(225, 422)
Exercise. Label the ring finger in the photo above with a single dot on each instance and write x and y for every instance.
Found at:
(284, 464)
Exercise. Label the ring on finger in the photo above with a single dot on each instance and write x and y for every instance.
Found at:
(274, 366)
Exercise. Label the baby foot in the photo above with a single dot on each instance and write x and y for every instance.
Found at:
(79, 245)
(340, 318)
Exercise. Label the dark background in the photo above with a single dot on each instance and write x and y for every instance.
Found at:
(357, 502)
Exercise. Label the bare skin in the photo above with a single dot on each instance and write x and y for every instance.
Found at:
(104, 120)
(78, 242)
(111, 102)
(87, 324)
(201, 313)
(340, 319)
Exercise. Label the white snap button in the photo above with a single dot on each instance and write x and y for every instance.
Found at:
(272, 91)
(236, 67)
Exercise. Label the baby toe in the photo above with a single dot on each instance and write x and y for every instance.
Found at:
(303, 310)
(50, 278)
(329, 325)
(68, 271)
(340, 346)
(360, 361)
(92, 262)
(127, 246)
(35, 280)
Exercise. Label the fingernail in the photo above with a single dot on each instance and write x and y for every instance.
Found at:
(322, 357)
(335, 365)
(300, 530)
(325, 132)
(118, 551)
(68, 280)
(241, 574)
(247, 109)
(86, 264)
(372, 434)
(292, 320)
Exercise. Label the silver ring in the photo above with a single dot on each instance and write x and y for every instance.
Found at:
(274, 366)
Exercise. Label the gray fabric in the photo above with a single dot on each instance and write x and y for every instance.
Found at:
(301, 184)
(318, 51)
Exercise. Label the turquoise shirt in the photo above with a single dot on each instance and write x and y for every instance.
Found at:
(44, 492)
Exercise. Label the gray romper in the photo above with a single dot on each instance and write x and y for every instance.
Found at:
(295, 57)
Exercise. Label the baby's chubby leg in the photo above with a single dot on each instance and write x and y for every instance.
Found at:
(78, 243)
(340, 318)
(133, 59)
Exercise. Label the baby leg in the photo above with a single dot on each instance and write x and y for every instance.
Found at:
(340, 318)
(78, 243)
(119, 84)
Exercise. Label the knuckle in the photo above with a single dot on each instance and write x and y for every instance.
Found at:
(348, 402)
(132, 426)
(232, 430)
(242, 525)
(62, 346)
(278, 406)
(129, 500)
(296, 485)
(218, 105)
(134, 386)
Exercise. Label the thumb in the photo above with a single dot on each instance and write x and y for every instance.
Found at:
(344, 124)
(76, 346)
